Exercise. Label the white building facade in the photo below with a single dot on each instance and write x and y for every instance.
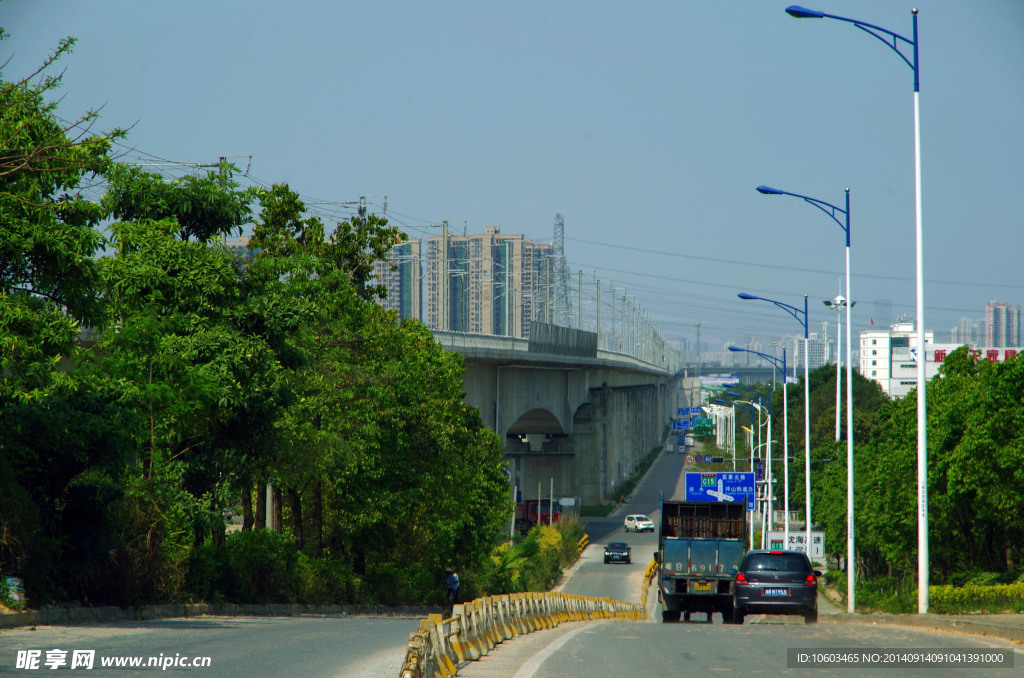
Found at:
(889, 357)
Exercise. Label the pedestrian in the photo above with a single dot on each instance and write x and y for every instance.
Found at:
(453, 588)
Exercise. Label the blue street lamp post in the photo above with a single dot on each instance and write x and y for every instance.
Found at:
(778, 365)
(832, 210)
(894, 41)
(797, 313)
(750, 412)
(763, 403)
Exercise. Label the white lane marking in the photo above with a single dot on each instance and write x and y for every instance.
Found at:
(530, 668)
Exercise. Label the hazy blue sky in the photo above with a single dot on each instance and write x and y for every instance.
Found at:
(646, 123)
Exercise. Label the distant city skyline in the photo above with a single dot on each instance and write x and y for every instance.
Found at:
(646, 126)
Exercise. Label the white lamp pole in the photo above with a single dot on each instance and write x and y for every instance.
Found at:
(894, 41)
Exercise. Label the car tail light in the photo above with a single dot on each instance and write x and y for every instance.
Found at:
(810, 581)
(740, 579)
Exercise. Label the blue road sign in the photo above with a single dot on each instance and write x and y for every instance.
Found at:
(677, 425)
(725, 486)
(696, 410)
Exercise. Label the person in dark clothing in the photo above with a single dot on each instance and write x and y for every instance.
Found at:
(453, 588)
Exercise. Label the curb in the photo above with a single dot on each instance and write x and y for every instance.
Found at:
(979, 627)
(62, 616)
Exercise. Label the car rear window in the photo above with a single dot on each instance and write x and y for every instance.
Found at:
(779, 562)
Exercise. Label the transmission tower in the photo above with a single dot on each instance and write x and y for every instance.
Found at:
(562, 303)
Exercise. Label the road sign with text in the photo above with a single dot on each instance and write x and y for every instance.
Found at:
(721, 486)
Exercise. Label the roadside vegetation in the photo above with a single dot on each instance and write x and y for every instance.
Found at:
(151, 381)
(975, 470)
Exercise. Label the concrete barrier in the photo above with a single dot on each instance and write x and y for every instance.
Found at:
(473, 629)
(652, 570)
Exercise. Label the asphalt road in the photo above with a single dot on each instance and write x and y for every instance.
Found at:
(242, 647)
(611, 650)
(761, 646)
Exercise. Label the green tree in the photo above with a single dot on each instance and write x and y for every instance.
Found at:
(57, 425)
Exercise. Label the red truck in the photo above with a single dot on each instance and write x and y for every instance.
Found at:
(533, 511)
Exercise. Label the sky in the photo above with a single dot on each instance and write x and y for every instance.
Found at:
(647, 124)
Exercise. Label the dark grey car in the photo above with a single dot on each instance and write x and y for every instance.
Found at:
(618, 552)
(776, 582)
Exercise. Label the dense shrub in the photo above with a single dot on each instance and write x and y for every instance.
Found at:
(896, 596)
(976, 598)
(534, 562)
(262, 566)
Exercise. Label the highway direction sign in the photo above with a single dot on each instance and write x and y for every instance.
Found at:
(725, 486)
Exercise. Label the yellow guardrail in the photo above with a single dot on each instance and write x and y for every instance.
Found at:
(583, 542)
(441, 643)
(649, 574)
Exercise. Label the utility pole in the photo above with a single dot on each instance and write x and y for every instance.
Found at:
(547, 288)
(579, 322)
(443, 320)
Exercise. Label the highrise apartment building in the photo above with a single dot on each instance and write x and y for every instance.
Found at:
(967, 331)
(400, 274)
(817, 351)
(489, 283)
(1002, 325)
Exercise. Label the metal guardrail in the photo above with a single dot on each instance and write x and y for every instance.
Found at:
(441, 643)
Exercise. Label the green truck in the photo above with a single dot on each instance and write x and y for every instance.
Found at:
(700, 547)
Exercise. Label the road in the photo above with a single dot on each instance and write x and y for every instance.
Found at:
(238, 647)
(591, 577)
(610, 650)
(761, 646)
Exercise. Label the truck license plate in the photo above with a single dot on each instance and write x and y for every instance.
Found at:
(776, 592)
(701, 586)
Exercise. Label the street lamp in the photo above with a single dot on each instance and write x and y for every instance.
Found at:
(894, 41)
(763, 401)
(801, 317)
(750, 413)
(777, 364)
(725, 428)
(839, 305)
(832, 210)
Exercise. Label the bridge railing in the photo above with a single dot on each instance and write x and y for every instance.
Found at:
(483, 341)
(463, 342)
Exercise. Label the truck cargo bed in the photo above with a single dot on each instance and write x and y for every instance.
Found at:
(711, 520)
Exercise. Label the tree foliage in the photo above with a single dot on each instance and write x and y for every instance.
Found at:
(151, 380)
(975, 462)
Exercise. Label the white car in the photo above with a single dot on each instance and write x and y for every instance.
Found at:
(638, 523)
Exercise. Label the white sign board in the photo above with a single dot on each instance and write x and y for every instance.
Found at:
(798, 542)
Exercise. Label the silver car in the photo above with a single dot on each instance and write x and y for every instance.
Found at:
(638, 523)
